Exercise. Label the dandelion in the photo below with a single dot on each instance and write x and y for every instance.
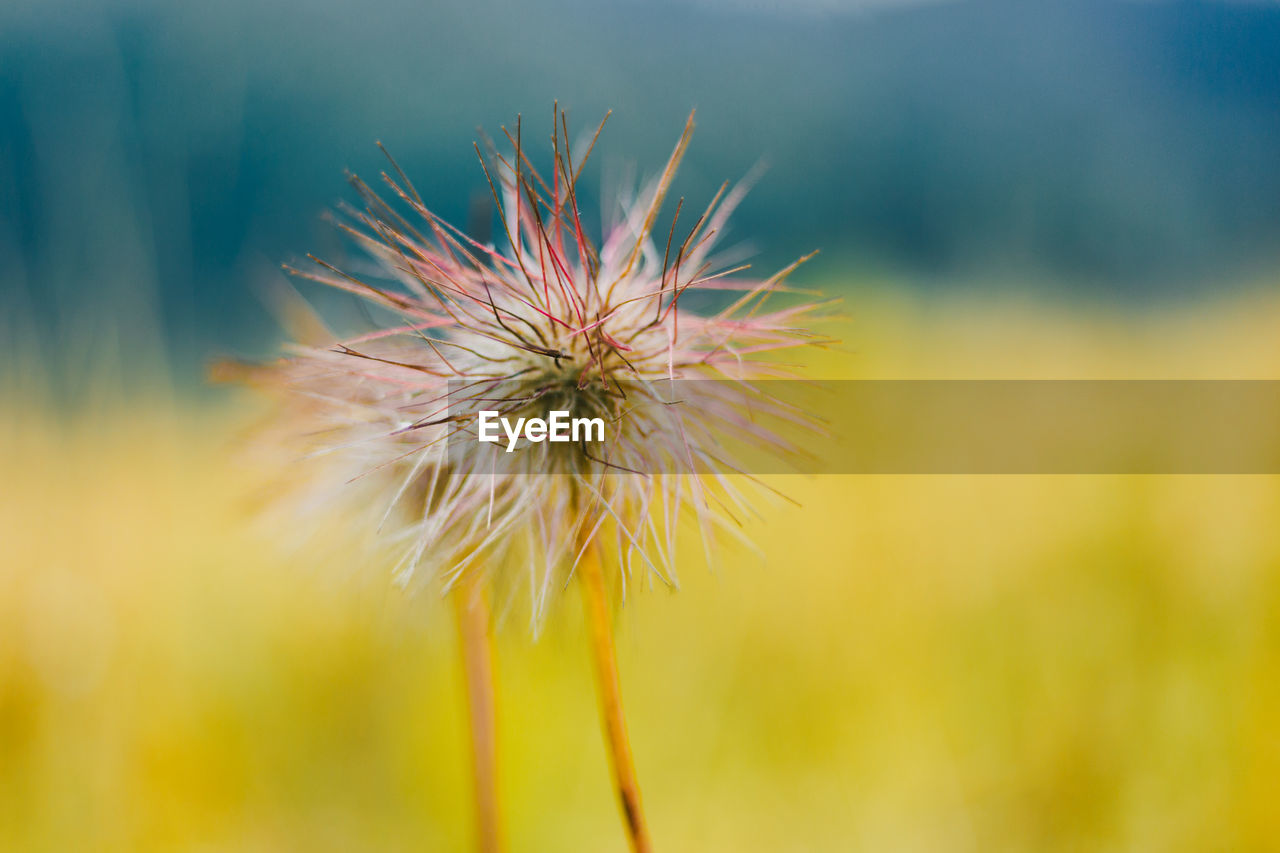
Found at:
(543, 319)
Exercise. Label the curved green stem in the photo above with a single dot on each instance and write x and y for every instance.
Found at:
(600, 627)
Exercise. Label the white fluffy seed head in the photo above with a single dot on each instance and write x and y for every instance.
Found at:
(543, 318)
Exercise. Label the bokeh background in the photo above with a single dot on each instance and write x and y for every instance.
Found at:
(1000, 189)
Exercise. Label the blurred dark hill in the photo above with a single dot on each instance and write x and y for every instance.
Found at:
(157, 160)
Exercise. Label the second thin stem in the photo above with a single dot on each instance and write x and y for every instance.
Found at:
(476, 639)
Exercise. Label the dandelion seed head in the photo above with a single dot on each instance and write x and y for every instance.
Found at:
(542, 317)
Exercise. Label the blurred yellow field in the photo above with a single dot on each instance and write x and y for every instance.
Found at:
(911, 663)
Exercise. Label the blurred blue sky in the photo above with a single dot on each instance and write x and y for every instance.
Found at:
(158, 160)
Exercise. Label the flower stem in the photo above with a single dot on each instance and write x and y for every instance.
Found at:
(476, 642)
(599, 624)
